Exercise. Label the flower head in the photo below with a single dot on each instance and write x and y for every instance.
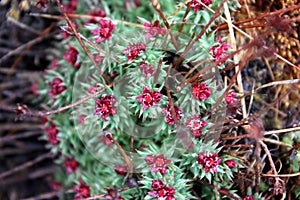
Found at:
(52, 134)
(34, 89)
(105, 106)
(196, 125)
(153, 30)
(42, 4)
(22, 111)
(219, 51)
(71, 6)
(121, 169)
(158, 163)
(70, 165)
(55, 185)
(230, 163)
(196, 4)
(147, 70)
(231, 98)
(104, 31)
(169, 116)
(248, 197)
(209, 162)
(161, 191)
(134, 50)
(72, 56)
(82, 191)
(149, 98)
(56, 86)
(200, 91)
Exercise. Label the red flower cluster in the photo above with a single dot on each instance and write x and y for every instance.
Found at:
(105, 106)
(248, 197)
(42, 4)
(104, 31)
(196, 4)
(71, 6)
(158, 163)
(231, 98)
(230, 163)
(56, 87)
(70, 165)
(34, 89)
(134, 50)
(82, 190)
(72, 56)
(196, 125)
(147, 70)
(96, 13)
(22, 111)
(219, 51)
(149, 98)
(161, 191)
(209, 162)
(169, 116)
(112, 194)
(52, 134)
(121, 169)
(200, 91)
(153, 30)
(55, 186)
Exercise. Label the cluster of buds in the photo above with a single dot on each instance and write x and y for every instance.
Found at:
(196, 125)
(158, 163)
(134, 50)
(198, 4)
(105, 106)
(104, 31)
(201, 91)
(149, 98)
(161, 191)
(209, 162)
(153, 30)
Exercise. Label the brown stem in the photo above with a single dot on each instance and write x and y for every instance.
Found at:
(265, 147)
(24, 46)
(73, 104)
(48, 195)
(170, 97)
(235, 137)
(284, 10)
(81, 42)
(128, 162)
(131, 152)
(19, 59)
(156, 5)
(25, 165)
(184, 17)
(189, 47)
(19, 136)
